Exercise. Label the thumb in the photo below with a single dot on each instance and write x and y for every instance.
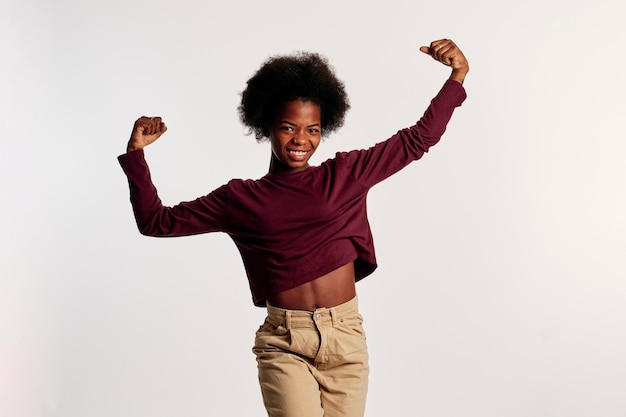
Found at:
(425, 49)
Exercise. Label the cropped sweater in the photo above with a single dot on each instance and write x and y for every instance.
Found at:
(293, 228)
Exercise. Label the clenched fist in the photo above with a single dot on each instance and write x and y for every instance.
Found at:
(145, 131)
(446, 52)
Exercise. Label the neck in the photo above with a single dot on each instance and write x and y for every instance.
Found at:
(276, 167)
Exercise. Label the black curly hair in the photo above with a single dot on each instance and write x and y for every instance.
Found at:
(284, 78)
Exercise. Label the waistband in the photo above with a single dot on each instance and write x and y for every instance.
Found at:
(299, 318)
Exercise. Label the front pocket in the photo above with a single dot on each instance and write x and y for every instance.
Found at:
(353, 325)
(271, 338)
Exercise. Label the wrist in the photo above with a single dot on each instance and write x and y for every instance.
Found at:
(459, 74)
(133, 147)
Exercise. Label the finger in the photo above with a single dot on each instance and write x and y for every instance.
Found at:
(425, 49)
(444, 51)
(159, 126)
(456, 57)
(141, 126)
(158, 129)
(153, 127)
(435, 45)
(154, 124)
(445, 54)
(436, 49)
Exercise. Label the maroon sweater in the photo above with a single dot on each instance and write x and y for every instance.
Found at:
(293, 228)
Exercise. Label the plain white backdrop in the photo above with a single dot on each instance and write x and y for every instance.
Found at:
(501, 288)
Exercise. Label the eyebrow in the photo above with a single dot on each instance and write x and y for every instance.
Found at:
(293, 124)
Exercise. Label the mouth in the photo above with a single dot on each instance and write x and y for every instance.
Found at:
(298, 155)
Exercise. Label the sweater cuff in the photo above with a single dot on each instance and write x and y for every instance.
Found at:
(133, 162)
(452, 93)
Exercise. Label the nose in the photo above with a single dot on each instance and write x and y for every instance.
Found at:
(298, 138)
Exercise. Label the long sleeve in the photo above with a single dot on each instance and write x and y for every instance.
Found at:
(205, 214)
(386, 158)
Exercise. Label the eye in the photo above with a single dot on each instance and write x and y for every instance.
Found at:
(286, 128)
(314, 131)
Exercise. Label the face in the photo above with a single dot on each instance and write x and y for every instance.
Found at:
(295, 135)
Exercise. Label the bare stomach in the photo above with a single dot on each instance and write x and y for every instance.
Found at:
(329, 290)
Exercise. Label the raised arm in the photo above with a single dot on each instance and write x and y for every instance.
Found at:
(385, 158)
(202, 215)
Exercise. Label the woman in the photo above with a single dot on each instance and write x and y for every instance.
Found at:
(302, 230)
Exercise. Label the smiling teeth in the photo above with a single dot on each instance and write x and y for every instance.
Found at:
(298, 153)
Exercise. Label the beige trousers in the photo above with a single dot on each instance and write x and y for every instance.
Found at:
(313, 364)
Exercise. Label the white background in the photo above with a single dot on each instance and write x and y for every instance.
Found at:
(501, 288)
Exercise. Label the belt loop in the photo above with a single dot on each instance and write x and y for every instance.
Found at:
(288, 319)
(334, 314)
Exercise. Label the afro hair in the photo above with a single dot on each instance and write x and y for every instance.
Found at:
(284, 78)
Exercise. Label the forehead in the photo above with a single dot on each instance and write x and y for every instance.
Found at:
(301, 111)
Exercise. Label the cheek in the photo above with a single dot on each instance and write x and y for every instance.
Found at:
(277, 142)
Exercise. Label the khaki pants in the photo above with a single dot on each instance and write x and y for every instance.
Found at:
(313, 364)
